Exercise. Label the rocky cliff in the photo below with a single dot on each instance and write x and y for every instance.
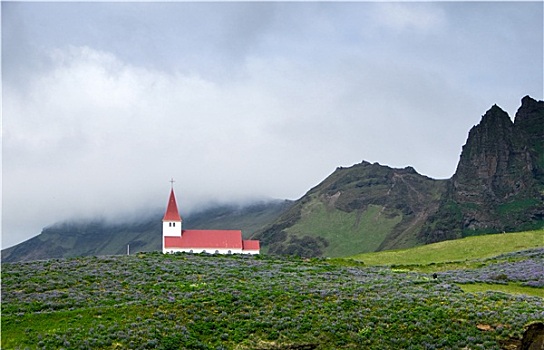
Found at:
(499, 183)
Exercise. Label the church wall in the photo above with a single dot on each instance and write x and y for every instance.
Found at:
(252, 252)
(209, 251)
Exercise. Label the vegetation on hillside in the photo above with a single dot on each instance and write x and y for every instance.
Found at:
(345, 233)
(456, 251)
(186, 301)
(100, 237)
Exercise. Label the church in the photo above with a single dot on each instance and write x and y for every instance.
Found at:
(176, 239)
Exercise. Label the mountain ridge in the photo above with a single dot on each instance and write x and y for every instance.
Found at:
(498, 186)
(501, 170)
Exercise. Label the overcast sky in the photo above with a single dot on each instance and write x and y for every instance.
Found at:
(104, 102)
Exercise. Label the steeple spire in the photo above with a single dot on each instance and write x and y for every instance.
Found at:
(172, 213)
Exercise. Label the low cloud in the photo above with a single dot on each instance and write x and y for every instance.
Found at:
(101, 136)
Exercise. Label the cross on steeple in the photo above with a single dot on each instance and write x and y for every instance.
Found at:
(172, 183)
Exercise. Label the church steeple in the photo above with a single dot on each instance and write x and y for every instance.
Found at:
(172, 213)
(171, 221)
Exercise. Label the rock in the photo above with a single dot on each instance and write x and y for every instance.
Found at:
(499, 179)
(533, 338)
(484, 327)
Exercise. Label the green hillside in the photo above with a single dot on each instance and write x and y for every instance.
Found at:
(465, 249)
(346, 233)
(83, 238)
(362, 208)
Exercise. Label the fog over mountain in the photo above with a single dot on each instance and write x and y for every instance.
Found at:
(104, 102)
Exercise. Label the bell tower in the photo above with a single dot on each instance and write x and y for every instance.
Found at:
(171, 221)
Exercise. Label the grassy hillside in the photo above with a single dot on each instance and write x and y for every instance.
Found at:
(366, 207)
(346, 233)
(185, 301)
(249, 218)
(98, 237)
(469, 248)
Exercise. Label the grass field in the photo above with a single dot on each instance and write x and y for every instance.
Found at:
(504, 288)
(185, 301)
(430, 297)
(456, 251)
(481, 259)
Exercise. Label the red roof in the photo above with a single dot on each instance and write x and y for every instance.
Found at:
(172, 213)
(251, 245)
(202, 239)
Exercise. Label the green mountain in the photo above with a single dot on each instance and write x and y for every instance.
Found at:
(363, 208)
(498, 186)
(100, 237)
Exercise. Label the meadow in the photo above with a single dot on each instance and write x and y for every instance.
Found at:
(185, 301)
(463, 250)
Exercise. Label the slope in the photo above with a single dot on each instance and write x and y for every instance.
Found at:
(362, 208)
(469, 248)
(99, 237)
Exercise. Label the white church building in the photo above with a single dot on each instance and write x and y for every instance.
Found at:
(176, 239)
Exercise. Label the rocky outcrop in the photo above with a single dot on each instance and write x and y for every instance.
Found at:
(498, 185)
(532, 339)
(530, 124)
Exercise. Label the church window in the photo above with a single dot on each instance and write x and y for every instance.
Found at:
(174, 224)
(230, 252)
(217, 252)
